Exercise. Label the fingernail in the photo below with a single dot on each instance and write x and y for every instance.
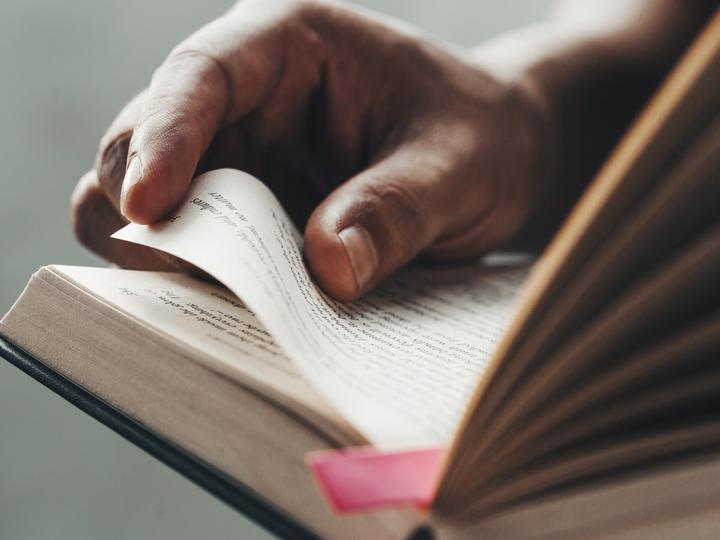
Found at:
(133, 175)
(361, 252)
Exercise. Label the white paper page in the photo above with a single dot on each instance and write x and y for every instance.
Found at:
(207, 318)
(400, 364)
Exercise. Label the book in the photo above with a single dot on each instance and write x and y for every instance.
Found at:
(576, 394)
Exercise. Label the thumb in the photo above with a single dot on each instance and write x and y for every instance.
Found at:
(380, 219)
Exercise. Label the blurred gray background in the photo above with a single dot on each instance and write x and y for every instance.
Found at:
(66, 68)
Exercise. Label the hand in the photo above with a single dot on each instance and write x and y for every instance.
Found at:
(381, 143)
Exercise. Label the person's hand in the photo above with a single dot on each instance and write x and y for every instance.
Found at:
(383, 144)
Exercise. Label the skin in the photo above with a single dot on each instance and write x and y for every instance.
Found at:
(383, 144)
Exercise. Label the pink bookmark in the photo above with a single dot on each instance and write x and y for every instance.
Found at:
(364, 478)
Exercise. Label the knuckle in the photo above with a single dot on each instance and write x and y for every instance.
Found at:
(168, 131)
(194, 51)
(403, 212)
(401, 201)
(196, 56)
(169, 121)
(193, 68)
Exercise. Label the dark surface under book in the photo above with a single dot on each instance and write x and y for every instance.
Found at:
(227, 489)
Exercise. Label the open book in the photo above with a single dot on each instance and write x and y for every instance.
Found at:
(586, 384)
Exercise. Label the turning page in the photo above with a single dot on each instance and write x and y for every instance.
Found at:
(400, 364)
(203, 317)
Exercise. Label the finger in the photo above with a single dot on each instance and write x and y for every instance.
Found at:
(112, 154)
(94, 219)
(382, 218)
(223, 72)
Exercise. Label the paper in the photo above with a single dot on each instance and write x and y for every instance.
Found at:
(206, 318)
(400, 364)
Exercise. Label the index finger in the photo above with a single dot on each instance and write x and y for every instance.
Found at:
(221, 73)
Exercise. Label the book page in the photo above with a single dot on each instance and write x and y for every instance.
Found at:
(399, 364)
(207, 318)
(209, 324)
(686, 99)
(685, 102)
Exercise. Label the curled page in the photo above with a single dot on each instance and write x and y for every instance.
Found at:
(399, 364)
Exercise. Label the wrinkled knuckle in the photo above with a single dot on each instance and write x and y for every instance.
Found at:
(405, 204)
(166, 121)
(180, 135)
(190, 53)
(404, 212)
(196, 54)
(195, 59)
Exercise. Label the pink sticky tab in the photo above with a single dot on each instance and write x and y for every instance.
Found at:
(365, 478)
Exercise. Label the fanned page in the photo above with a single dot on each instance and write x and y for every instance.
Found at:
(399, 364)
(685, 102)
(653, 196)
